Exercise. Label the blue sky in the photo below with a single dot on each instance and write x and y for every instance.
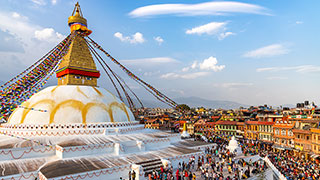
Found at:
(251, 52)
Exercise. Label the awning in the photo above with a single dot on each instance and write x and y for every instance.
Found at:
(281, 147)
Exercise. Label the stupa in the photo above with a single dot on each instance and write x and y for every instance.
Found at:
(233, 146)
(78, 130)
(185, 133)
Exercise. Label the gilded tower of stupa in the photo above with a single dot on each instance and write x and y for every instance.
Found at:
(78, 67)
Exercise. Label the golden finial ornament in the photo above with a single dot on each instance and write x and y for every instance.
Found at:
(77, 16)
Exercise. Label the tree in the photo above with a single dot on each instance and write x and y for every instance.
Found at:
(183, 107)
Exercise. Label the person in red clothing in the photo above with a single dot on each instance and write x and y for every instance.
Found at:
(178, 174)
(186, 175)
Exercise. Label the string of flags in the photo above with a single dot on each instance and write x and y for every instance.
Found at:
(30, 81)
(32, 109)
(133, 76)
(25, 139)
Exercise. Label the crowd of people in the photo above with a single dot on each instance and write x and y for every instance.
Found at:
(291, 166)
(218, 163)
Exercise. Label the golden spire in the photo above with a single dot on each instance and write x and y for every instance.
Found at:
(184, 127)
(77, 66)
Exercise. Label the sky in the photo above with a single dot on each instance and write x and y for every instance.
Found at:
(251, 52)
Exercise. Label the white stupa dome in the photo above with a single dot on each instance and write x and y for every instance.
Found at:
(69, 104)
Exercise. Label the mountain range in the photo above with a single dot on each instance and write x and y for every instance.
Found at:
(194, 102)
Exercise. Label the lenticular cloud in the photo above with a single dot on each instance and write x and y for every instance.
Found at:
(208, 8)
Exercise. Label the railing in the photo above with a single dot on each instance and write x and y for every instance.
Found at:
(276, 173)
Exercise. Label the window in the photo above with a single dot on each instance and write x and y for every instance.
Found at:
(298, 136)
(77, 77)
(290, 133)
(283, 132)
(88, 78)
(318, 138)
(308, 137)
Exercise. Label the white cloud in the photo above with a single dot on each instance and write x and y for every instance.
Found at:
(224, 35)
(158, 39)
(134, 39)
(268, 51)
(299, 22)
(298, 69)
(276, 78)
(22, 30)
(193, 75)
(210, 28)
(214, 28)
(149, 61)
(151, 73)
(211, 64)
(207, 64)
(54, 2)
(185, 69)
(207, 8)
(48, 34)
(39, 2)
(234, 85)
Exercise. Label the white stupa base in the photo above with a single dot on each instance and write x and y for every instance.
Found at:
(185, 135)
(234, 147)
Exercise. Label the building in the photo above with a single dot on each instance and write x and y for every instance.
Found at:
(265, 129)
(210, 128)
(240, 130)
(283, 136)
(252, 130)
(302, 134)
(199, 127)
(315, 142)
(226, 127)
(190, 127)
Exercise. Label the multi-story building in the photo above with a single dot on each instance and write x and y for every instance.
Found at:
(251, 130)
(240, 130)
(265, 129)
(210, 128)
(302, 133)
(226, 127)
(152, 124)
(283, 135)
(199, 127)
(190, 127)
(315, 141)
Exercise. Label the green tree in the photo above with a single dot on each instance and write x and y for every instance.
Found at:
(183, 107)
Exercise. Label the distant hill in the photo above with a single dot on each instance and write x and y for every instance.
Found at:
(214, 104)
(193, 102)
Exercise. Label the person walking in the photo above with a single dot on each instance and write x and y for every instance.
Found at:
(133, 175)
(129, 174)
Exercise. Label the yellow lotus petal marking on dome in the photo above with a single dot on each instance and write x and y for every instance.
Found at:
(54, 89)
(122, 106)
(72, 103)
(92, 104)
(97, 91)
(81, 92)
(25, 104)
(25, 112)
